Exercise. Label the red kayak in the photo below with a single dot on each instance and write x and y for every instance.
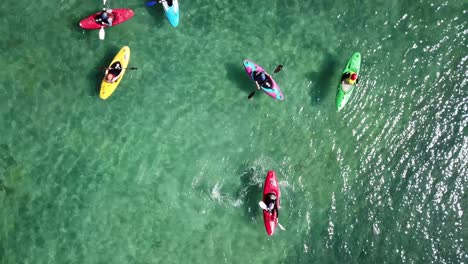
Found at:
(270, 218)
(119, 16)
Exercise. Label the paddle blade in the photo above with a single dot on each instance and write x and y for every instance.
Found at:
(281, 227)
(129, 68)
(278, 68)
(251, 94)
(262, 205)
(151, 3)
(102, 33)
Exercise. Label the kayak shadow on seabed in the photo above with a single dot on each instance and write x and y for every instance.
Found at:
(325, 80)
(157, 11)
(250, 192)
(235, 72)
(96, 74)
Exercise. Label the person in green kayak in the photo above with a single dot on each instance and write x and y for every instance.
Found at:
(262, 79)
(105, 17)
(350, 78)
(271, 202)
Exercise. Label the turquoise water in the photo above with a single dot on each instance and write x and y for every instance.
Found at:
(170, 168)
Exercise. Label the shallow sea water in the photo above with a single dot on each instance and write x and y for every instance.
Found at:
(170, 168)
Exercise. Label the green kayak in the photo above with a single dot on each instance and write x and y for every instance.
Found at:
(345, 90)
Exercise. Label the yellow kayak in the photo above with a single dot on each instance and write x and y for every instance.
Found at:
(114, 73)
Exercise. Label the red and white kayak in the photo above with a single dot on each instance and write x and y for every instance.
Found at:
(119, 16)
(270, 219)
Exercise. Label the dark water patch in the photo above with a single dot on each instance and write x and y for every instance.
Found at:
(156, 244)
(250, 192)
(6, 159)
(39, 241)
(325, 80)
(236, 74)
(157, 12)
(11, 174)
(4, 188)
(2, 253)
(73, 23)
(13, 41)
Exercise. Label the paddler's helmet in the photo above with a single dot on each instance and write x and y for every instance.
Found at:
(272, 196)
(104, 15)
(110, 76)
(263, 76)
(353, 76)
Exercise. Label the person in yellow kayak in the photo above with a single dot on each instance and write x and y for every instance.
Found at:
(113, 73)
(350, 78)
(105, 17)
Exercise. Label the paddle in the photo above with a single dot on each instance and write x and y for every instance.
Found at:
(278, 68)
(281, 227)
(102, 33)
(128, 68)
(151, 3)
(264, 207)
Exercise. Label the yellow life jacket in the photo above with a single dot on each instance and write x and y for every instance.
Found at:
(348, 80)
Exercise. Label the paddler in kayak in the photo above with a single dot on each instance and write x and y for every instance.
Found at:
(350, 78)
(169, 2)
(113, 73)
(271, 202)
(262, 79)
(105, 17)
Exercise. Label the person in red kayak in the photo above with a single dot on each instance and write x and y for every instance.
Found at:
(262, 79)
(113, 73)
(105, 17)
(271, 202)
(350, 78)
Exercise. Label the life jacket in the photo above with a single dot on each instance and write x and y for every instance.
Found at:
(349, 80)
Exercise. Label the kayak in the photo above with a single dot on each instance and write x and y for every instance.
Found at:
(122, 57)
(345, 90)
(172, 12)
(271, 186)
(273, 91)
(120, 15)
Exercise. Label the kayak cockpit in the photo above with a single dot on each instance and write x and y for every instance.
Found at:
(104, 22)
(115, 70)
(346, 87)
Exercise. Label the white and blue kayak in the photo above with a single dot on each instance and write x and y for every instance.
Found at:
(171, 8)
